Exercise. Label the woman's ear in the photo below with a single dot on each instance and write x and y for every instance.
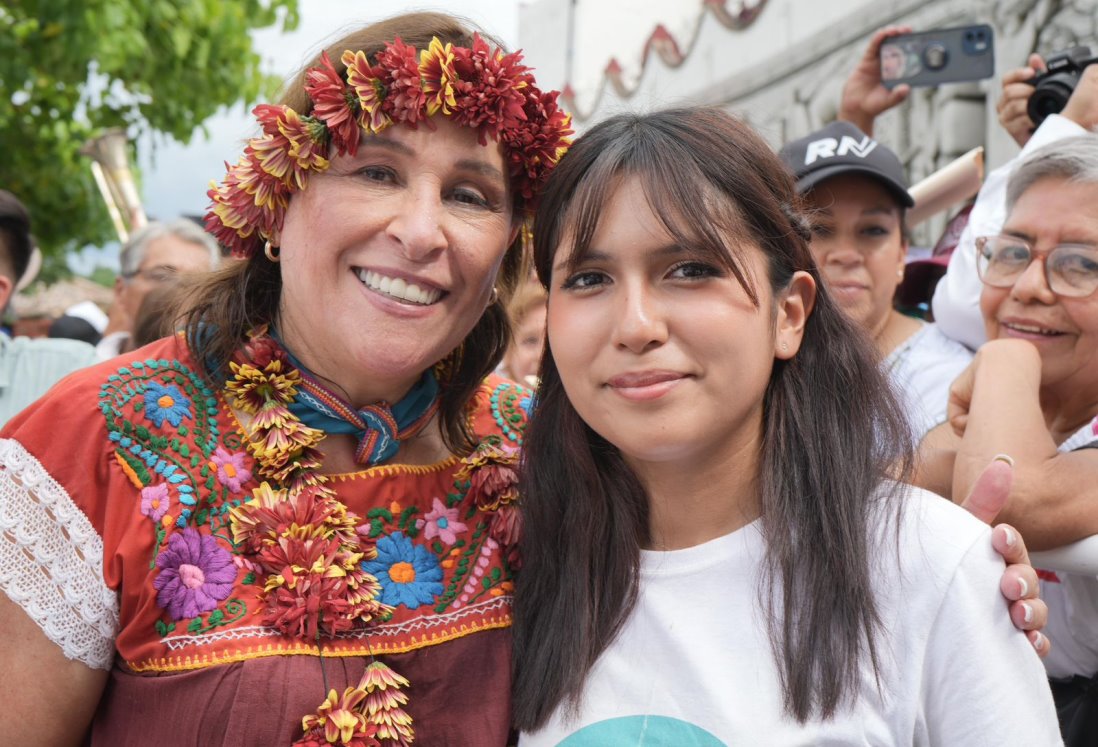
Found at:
(794, 304)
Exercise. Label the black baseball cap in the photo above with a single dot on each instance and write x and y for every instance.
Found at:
(841, 148)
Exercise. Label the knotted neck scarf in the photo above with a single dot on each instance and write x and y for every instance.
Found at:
(379, 428)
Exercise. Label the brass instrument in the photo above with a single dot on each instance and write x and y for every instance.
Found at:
(111, 168)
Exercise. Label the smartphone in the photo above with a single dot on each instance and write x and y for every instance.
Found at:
(930, 58)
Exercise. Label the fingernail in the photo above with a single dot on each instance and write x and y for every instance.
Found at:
(1004, 458)
(1023, 586)
(1038, 640)
(1011, 536)
(1027, 613)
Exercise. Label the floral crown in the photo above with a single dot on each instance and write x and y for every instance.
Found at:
(476, 87)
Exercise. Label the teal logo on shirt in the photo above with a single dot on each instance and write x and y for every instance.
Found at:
(642, 731)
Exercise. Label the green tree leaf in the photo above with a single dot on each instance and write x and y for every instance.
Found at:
(70, 70)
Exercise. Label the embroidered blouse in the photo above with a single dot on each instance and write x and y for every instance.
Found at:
(114, 537)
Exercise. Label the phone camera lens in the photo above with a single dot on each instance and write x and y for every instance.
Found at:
(935, 56)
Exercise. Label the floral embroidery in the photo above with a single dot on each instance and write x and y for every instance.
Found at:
(231, 471)
(166, 403)
(441, 522)
(195, 574)
(154, 501)
(511, 405)
(409, 574)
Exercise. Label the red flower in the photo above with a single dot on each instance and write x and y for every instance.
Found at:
(490, 89)
(261, 350)
(367, 85)
(405, 100)
(506, 525)
(535, 145)
(334, 104)
(492, 471)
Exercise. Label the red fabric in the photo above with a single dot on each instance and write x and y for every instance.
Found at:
(221, 677)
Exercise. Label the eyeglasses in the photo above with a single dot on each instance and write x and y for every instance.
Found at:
(158, 275)
(1071, 269)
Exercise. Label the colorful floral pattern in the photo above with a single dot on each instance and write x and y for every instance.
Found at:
(195, 573)
(409, 574)
(232, 471)
(290, 564)
(166, 402)
(441, 522)
(155, 501)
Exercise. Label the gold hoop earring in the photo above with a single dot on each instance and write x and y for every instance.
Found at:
(494, 298)
(270, 252)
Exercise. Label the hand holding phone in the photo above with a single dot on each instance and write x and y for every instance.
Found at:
(930, 58)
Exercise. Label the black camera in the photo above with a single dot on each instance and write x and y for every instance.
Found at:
(1054, 87)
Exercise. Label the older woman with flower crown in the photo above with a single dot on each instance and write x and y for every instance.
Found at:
(294, 523)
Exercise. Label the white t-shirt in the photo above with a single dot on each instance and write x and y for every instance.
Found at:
(922, 368)
(693, 663)
(1072, 601)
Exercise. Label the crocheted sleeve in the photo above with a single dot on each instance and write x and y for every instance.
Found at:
(51, 560)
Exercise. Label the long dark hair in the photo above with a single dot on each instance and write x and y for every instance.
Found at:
(221, 309)
(832, 432)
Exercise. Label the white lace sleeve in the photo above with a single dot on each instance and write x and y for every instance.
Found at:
(51, 560)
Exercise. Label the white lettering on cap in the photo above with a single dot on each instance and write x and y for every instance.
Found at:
(828, 147)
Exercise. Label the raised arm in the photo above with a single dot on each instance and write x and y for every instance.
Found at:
(864, 97)
(995, 404)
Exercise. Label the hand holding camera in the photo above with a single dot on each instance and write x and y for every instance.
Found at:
(1013, 103)
(1067, 84)
(1054, 89)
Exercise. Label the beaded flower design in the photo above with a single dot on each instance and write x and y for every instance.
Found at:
(477, 87)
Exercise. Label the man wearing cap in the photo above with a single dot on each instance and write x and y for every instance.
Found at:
(27, 367)
(858, 192)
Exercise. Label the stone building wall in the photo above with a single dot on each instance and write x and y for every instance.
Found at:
(781, 65)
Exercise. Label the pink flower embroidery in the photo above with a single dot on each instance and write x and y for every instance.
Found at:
(441, 522)
(154, 501)
(231, 471)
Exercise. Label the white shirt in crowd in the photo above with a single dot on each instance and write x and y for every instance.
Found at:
(921, 369)
(693, 663)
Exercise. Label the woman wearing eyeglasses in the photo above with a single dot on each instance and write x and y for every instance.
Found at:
(1032, 392)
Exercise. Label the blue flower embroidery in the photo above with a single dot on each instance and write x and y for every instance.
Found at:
(166, 402)
(409, 574)
(527, 404)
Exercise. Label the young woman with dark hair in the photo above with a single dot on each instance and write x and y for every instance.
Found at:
(718, 548)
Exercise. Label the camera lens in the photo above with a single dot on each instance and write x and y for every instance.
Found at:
(1051, 95)
(935, 56)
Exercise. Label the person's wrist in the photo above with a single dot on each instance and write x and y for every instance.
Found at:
(860, 119)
